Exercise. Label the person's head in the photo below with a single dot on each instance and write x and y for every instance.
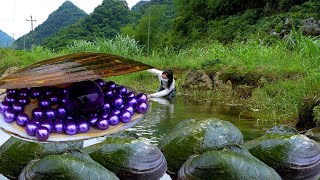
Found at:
(168, 74)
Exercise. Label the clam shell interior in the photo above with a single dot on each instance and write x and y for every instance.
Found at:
(19, 132)
(71, 68)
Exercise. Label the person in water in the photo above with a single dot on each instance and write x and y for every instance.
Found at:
(167, 87)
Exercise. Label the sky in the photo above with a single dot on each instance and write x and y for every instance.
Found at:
(13, 13)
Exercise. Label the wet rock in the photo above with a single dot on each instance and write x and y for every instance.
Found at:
(283, 129)
(311, 27)
(75, 165)
(129, 158)
(15, 154)
(195, 136)
(293, 156)
(314, 134)
(233, 162)
(197, 80)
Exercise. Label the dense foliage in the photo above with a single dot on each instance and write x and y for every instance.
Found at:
(5, 39)
(105, 21)
(66, 15)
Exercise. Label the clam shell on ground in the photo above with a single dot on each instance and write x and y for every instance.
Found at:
(293, 156)
(195, 136)
(129, 158)
(233, 162)
(15, 154)
(71, 68)
(67, 166)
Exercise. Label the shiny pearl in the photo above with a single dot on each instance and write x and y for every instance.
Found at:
(133, 101)
(100, 82)
(102, 124)
(37, 113)
(128, 107)
(10, 98)
(48, 124)
(4, 105)
(24, 92)
(106, 107)
(130, 95)
(93, 120)
(61, 111)
(142, 97)
(11, 91)
(31, 128)
(42, 133)
(113, 119)
(22, 119)
(23, 100)
(58, 126)
(117, 102)
(83, 126)
(35, 93)
(110, 85)
(44, 103)
(121, 90)
(9, 116)
(125, 116)
(17, 107)
(142, 107)
(70, 128)
(50, 113)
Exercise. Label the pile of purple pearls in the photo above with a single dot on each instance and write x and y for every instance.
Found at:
(55, 114)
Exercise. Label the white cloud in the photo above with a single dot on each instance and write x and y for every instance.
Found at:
(13, 13)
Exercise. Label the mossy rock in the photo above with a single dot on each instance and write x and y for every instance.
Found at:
(129, 158)
(193, 136)
(15, 154)
(230, 163)
(293, 156)
(76, 165)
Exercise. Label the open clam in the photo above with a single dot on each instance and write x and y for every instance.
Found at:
(65, 96)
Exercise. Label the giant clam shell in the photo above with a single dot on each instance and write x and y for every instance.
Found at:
(75, 165)
(195, 136)
(129, 158)
(230, 163)
(15, 154)
(293, 156)
(65, 70)
(71, 68)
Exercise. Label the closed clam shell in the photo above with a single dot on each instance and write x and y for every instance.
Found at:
(71, 68)
(129, 158)
(293, 156)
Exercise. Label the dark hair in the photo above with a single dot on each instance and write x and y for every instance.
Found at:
(169, 74)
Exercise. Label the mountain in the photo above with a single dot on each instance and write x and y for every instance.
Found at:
(64, 16)
(5, 39)
(104, 22)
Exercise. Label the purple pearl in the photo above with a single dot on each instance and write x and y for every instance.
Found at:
(9, 116)
(37, 113)
(42, 133)
(23, 92)
(106, 107)
(23, 100)
(10, 98)
(35, 120)
(93, 120)
(48, 92)
(104, 115)
(128, 107)
(44, 103)
(58, 126)
(102, 124)
(53, 99)
(83, 126)
(141, 97)
(85, 98)
(4, 105)
(35, 93)
(22, 119)
(130, 95)
(141, 107)
(11, 91)
(100, 82)
(115, 111)
(121, 90)
(17, 107)
(110, 85)
(70, 128)
(48, 124)
(63, 101)
(61, 111)
(117, 102)
(125, 116)
(113, 119)
(133, 101)
(31, 128)
(108, 94)
(50, 113)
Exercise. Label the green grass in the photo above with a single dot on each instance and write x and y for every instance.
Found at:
(286, 70)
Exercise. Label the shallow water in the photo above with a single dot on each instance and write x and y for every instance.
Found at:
(163, 116)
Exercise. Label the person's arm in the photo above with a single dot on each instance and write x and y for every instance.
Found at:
(164, 92)
(155, 71)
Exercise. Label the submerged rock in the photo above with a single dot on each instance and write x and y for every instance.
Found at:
(292, 156)
(193, 136)
(129, 158)
(67, 166)
(230, 163)
(15, 154)
(283, 129)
